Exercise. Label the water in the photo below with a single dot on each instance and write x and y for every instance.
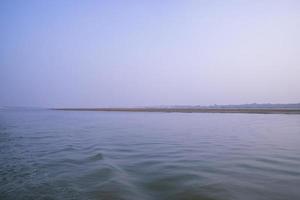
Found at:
(148, 156)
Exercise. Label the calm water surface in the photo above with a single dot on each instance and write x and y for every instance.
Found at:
(152, 156)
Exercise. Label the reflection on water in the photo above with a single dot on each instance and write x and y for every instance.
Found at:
(151, 156)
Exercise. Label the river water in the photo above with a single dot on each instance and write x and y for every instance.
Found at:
(55, 155)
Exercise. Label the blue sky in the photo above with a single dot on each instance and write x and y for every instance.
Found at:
(135, 53)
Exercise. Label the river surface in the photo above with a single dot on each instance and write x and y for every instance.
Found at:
(63, 155)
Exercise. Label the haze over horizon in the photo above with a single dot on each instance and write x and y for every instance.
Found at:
(143, 53)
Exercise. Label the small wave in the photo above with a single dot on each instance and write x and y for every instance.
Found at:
(96, 157)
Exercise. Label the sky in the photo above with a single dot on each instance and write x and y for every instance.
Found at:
(140, 53)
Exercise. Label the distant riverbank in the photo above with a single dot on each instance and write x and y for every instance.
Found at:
(190, 110)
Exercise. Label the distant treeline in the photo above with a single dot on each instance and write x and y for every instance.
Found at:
(249, 106)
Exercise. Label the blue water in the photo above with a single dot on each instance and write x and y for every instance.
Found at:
(153, 156)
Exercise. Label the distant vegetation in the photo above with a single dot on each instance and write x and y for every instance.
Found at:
(246, 106)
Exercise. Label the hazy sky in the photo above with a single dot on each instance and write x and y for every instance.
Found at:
(133, 53)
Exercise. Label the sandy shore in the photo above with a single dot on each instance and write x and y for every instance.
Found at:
(188, 110)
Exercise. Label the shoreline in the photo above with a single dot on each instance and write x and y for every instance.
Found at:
(189, 110)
